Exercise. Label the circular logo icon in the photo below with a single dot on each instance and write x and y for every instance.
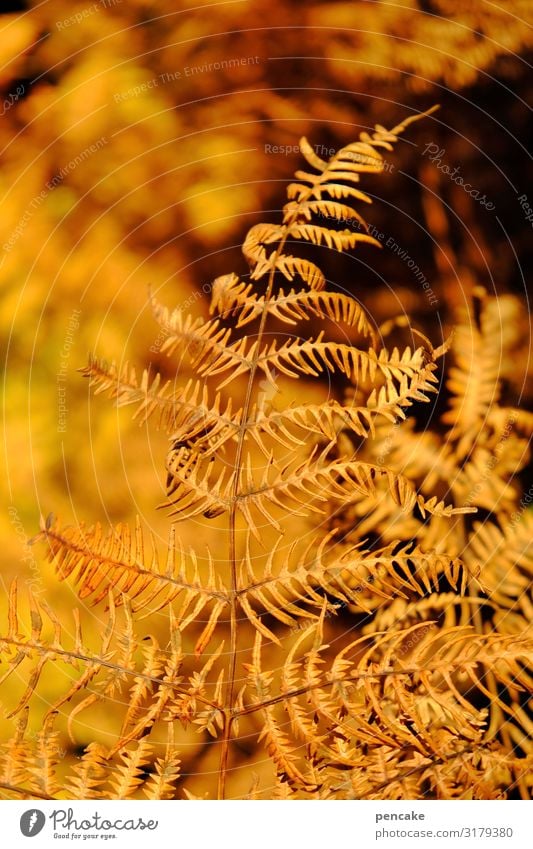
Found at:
(32, 822)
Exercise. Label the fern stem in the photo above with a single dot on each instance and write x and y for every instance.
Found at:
(233, 548)
(24, 791)
(234, 591)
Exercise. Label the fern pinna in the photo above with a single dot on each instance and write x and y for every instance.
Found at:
(332, 646)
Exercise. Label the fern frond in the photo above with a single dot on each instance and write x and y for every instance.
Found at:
(290, 307)
(311, 357)
(155, 400)
(366, 579)
(505, 558)
(192, 489)
(14, 756)
(87, 778)
(116, 561)
(420, 687)
(350, 161)
(276, 741)
(290, 266)
(304, 725)
(304, 488)
(434, 656)
(121, 383)
(327, 420)
(195, 337)
(341, 240)
(128, 775)
(140, 718)
(143, 686)
(474, 485)
(325, 208)
(474, 380)
(306, 200)
(318, 481)
(209, 428)
(334, 190)
(46, 755)
(410, 685)
(16, 648)
(161, 784)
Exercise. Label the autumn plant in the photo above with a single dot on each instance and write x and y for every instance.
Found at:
(360, 629)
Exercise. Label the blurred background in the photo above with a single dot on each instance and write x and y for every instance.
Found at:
(139, 142)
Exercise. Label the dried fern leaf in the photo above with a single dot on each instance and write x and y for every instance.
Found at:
(161, 784)
(87, 778)
(474, 380)
(128, 775)
(290, 307)
(117, 560)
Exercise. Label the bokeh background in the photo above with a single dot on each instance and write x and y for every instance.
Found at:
(139, 140)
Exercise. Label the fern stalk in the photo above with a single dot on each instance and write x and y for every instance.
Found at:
(234, 589)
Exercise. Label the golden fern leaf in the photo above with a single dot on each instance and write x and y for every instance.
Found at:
(412, 712)
(334, 190)
(475, 379)
(306, 200)
(195, 337)
(325, 208)
(290, 307)
(153, 399)
(450, 609)
(310, 357)
(505, 558)
(116, 561)
(367, 579)
(87, 777)
(128, 775)
(304, 725)
(151, 691)
(15, 760)
(161, 784)
(46, 755)
(203, 429)
(305, 487)
(16, 648)
(276, 741)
